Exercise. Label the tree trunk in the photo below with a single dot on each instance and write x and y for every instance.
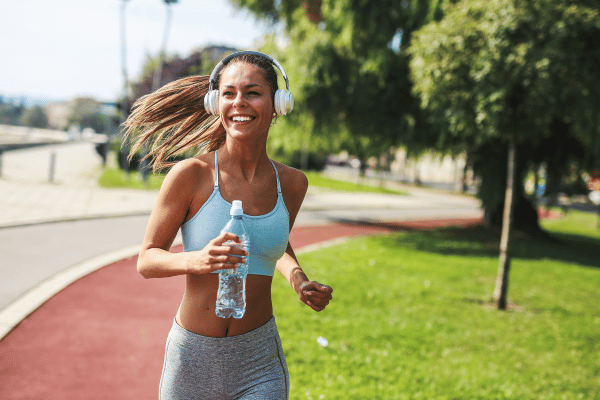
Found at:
(500, 293)
(463, 179)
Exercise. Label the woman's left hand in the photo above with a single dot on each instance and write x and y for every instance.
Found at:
(315, 295)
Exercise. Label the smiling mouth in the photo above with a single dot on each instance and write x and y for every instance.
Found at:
(241, 119)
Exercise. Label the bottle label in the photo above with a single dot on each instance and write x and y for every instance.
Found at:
(243, 268)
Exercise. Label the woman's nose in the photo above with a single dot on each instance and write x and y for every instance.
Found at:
(239, 100)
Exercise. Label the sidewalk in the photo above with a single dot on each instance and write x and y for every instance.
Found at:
(27, 196)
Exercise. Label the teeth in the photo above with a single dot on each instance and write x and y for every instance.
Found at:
(241, 119)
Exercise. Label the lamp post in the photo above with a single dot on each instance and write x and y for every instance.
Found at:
(161, 57)
(125, 95)
(158, 74)
(124, 52)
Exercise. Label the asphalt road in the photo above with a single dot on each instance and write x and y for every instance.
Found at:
(31, 254)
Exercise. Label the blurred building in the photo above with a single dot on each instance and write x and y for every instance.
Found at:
(58, 114)
(433, 169)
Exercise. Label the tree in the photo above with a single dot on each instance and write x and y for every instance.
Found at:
(199, 62)
(515, 74)
(10, 113)
(349, 67)
(35, 117)
(85, 112)
(173, 69)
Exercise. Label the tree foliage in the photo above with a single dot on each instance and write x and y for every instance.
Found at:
(173, 68)
(350, 68)
(527, 69)
(86, 113)
(10, 113)
(35, 117)
(198, 62)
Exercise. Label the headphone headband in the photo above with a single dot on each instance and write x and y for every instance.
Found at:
(212, 81)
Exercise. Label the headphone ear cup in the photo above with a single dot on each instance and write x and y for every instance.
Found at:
(211, 102)
(290, 101)
(276, 101)
(283, 102)
(214, 102)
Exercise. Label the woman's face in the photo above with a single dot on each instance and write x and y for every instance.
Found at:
(245, 102)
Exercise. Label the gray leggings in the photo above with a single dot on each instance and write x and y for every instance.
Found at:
(248, 366)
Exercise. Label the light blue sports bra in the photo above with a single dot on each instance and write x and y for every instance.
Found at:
(269, 233)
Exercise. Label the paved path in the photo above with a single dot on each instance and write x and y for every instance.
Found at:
(28, 196)
(77, 319)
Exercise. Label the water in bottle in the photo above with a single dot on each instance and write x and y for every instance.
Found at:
(231, 297)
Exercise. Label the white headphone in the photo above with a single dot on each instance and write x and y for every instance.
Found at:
(283, 101)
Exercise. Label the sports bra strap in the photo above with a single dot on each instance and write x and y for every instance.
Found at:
(276, 176)
(217, 173)
(216, 170)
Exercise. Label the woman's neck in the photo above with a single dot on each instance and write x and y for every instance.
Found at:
(244, 161)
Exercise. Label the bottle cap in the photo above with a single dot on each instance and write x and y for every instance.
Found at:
(236, 208)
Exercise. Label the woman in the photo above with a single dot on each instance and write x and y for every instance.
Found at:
(208, 357)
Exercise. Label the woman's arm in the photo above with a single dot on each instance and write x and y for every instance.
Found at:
(312, 293)
(170, 211)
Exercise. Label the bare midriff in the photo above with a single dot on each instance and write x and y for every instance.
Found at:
(197, 310)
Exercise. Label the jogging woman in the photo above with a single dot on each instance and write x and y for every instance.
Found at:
(227, 116)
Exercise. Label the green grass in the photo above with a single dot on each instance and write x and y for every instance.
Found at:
(316, 179)
(116, 178)
(412, 317)
(578, 223)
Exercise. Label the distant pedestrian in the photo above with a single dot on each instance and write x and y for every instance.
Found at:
(208, 357)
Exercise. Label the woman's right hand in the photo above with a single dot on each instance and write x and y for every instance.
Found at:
(216, 255)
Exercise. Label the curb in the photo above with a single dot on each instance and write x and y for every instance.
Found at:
(72, 219)
(19, 309)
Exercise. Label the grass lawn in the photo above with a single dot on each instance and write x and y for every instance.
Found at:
(412, 317)
(317, 179)
(116, 178)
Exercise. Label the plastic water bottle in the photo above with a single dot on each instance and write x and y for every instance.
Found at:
(231, 297)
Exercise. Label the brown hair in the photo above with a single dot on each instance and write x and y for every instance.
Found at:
(173, 121)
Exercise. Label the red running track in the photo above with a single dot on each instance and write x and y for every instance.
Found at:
(103, 336)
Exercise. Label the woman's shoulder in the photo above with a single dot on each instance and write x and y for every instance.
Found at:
(196, 169)
(190, 167)
(294, 185)
(291, 178)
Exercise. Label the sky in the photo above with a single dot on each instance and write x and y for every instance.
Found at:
(60, 49)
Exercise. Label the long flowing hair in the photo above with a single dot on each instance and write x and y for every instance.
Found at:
(172, 120)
